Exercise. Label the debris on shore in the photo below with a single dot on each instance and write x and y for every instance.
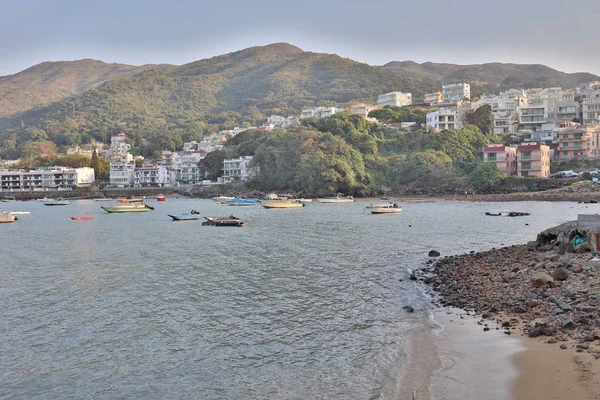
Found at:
(549, 287)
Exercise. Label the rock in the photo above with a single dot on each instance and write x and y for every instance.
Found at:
(518, 310)
(434, 253)
(557, 311)
(568, 323)
(564, 346)
(540, 328)
(560, 274)
(408, 309)
(565, 306)
(583, 346)
(583, 248)
(551, 341)
(540, 279)
(532, 245)
(577, 269)
(486, 329)
(413, 277)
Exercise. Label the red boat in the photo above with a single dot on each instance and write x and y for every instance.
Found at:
(160, 197)
(82, 218)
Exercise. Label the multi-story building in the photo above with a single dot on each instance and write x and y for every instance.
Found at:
(578, 143)
(158, 176)
(505, 108)
(46, 178)
(237, 170)
(546, 106)
(456, 92)
(504, 157)
(319, 112)
(533, 159)
(122, 164)
(394, 99)
(361, 109)
(447, 116)
(432, 98)
(590, 103)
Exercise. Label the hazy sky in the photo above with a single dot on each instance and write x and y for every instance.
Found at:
(563, 35)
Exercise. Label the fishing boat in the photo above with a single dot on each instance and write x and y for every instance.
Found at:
(130, 207)
(243, 202)
(130, 200)
(7, 199)
(6, 217)
(223, 199)
(57, 203)
(160, 197)
(184, 217)
(339, 198)
(82, 218)
(384, 208)
(282, 204)
(232, 220)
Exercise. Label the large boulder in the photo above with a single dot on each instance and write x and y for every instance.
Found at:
(540, 327)
(540, 279)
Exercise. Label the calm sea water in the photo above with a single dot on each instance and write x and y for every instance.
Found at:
(301, 304)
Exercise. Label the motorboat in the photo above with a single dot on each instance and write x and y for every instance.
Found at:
(85, 218)
(243, 202)
(232, 220)
(184, 217)
(57, 203)
(104, 199)
(131, 200)
(160, 197)
(339, 198)
(130, 207)
(288, 203)
(504, 213)
(7, 199)
(384, 208)
(6, 217)
(223, 199)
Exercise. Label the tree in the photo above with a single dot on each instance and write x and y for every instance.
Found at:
(101, 166)
(486, 174)
(74, 161)
(482, 118)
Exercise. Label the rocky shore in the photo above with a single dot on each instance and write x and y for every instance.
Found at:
(549, 288)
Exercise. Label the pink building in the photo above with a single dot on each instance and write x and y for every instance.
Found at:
(533, 159)
(578, 143)
(505, 158)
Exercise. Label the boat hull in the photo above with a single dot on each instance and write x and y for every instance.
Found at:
(57, 203)
(82, 218)
(184, 217)
(124, 209)
(382, 210)
(281, 204)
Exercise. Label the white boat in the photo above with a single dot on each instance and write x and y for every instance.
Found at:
(339, 198)
(286, 203)
(223, 199)
(384, 208)
(19, 212)
(304, 200)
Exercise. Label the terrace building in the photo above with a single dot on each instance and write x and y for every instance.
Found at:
(394, 99)
(237, 169)
(46, 178)
(456, 92)
(504, 157)
(578, 143)
(533, 159)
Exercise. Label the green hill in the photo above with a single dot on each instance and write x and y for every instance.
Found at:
(489, 77)
(49, 82)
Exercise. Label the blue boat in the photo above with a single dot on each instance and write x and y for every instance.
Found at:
(57, 203)
(184, 217)
(243, 202)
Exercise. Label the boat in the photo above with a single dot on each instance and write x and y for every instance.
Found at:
(18, 212)
(282, 204)
(57, 203)
(223, 199)
(302, 200)
(243, 202)
(384, 208)
(160, 197)
(184, 217)
(130, 207)
(131, 200)
(232, 220)
(7, 199)
(104, 199)
(507, 213)
(82, 218)
(45, 199)
(339, 198)
(6, 217)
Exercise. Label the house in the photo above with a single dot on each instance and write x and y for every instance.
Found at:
(432, 98)
(45, 178)
(547, 106)
(533, 159)
(237, 169)
(578, 143)
(456, 92)
(122, 164)
(394, 99)
(505, 109)
(361, 109)
(447, 116)
(504, 157)
(155, 176)
(590, 103)
(319, 112)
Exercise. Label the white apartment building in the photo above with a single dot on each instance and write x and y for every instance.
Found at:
(546, 106)
(505, 109)
(456, 92)
(122, 164)
(46, 178)
(159, 176)
(361, 109)
(237, 169)
(320, 112)
(447, 116)
(590, 103)
(394, 99)
(205, 146)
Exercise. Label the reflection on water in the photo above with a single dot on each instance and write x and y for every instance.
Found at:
(302, 303)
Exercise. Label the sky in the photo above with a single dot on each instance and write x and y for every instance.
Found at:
(563, 35)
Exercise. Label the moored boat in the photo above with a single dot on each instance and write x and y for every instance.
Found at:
(184, 217)
(222, 199)
(131, 207)
(8, 199)
(104, 199)
(82, 218)
(243, 202)
(131, 200)
(384, 208)
(57, 203)
(160, 197)
(6, 217)
(339, 198)
(282, 204)
(223, 221)
(303, 200)
(18, 212)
